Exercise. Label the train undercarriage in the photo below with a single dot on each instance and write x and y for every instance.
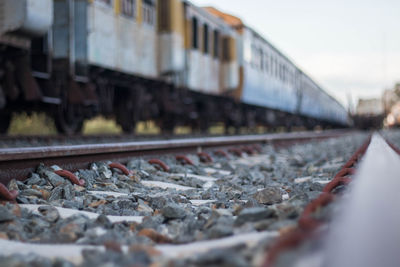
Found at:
(33, 82)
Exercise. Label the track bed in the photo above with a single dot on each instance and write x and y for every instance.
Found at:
(230, 211)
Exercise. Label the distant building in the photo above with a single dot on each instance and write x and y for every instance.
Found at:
(370, 107)
(390, 98)
(369, 114)
(391, 103)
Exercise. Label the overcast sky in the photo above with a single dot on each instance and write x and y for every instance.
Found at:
(350, 47)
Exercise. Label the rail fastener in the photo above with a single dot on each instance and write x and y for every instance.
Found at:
(70, 176)
(119, 166)
(159, 163)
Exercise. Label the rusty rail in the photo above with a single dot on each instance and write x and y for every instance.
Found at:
(366, 225)
(307, 224)
(18, 163)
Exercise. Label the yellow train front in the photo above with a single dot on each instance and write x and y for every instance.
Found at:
(167, 60)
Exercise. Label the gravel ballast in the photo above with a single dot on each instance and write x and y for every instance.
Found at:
(225, 213)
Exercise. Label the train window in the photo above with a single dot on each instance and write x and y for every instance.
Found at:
(291, 78)
(271, 61)
(266, 62)
(253, 55)
(287, 76)
(216, 44)
(273, 67)
(164, 18)
(294, 78)
(287, 79)
(128, 8)
(256, 57)
(205, 39)
(283, 73)
(107, 2)
(278, 70)
(149, 16)
(261, 58)
(226, 50)
(195, 37)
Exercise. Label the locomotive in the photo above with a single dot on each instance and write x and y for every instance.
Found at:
(169, 61)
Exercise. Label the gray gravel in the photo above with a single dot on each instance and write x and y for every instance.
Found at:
(266, 192)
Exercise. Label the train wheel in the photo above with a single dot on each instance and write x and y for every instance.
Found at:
(167, 125)
(68, 118)
(168, 129)
(5, 119)
(127, 115)
(127, 124)
(204, 126)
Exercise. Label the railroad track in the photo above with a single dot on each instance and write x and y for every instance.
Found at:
(362, 230)
(17, 163)
(10, 141)
(18, 141)
(250, 208)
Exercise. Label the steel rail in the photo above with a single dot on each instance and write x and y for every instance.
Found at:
(364, 232)
(17, 163)
(104, 138)
(307, 224)
(366, 227)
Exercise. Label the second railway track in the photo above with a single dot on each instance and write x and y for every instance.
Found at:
(228, 211)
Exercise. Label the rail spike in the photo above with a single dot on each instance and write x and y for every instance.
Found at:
(119, 166)
(9, 195)
(160, 163)
(184, 159)
(70, 176)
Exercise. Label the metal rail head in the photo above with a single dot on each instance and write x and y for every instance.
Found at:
(307, 224)
(366, 233)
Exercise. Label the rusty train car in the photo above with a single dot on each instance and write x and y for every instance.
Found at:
(163, 60)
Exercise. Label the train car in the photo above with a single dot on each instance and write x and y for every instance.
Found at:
(207, 69)
(316, 104)
(169, 61)
(269, 77)
(104, 52)
(270, 80)
(24, 24)
(211, 65)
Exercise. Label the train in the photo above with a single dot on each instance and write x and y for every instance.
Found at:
(169, 61)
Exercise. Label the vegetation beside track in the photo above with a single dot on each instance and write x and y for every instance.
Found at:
(41, 124)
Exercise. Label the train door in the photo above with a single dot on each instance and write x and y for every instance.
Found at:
(70, 32)
(70, 71)
(298, 84)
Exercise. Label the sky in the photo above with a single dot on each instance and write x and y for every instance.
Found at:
(350, 47)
